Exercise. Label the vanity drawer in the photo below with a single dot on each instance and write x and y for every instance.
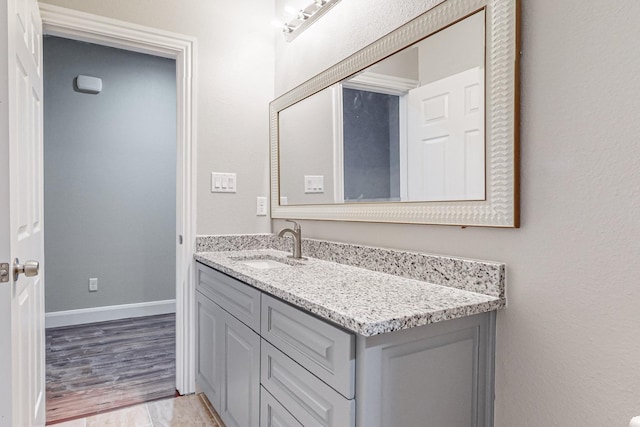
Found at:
(323, 349)
(312, 402)
(239, 299)
(273, 414)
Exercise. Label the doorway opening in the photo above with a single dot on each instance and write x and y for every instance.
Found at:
(70, 24)
(110, 197)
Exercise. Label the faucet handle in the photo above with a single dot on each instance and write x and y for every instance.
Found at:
(296, 226)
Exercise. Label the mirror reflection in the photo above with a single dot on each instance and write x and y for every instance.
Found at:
(409, 128)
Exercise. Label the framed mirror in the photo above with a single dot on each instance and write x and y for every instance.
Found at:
(418, 127)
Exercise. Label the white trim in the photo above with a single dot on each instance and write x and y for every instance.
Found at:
(403, 116)
(81, 316)
(338, 144)
(110, 32)
(381, 83)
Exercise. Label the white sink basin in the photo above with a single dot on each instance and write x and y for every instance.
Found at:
(264, 264)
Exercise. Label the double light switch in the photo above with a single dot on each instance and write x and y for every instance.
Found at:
(313, 184)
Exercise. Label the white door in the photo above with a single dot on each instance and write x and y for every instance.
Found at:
(22, 357)
(445, 148)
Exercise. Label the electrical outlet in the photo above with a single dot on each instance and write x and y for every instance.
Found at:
(261, 206)
(93, 285)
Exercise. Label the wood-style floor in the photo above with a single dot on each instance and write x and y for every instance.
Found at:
(98, 367)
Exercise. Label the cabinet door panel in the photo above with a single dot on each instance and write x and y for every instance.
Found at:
(273, 414)
(208, 342)
(442, 373)
(239, 299)
(308, 399)
(325, 350)
(240, 406)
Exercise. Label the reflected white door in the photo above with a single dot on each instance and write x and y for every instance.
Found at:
(445, 149)
(22, 355)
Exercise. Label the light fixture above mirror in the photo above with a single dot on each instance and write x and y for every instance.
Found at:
(298, 18)
(482, 66)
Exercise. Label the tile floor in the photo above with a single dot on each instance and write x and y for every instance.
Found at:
(183, 411)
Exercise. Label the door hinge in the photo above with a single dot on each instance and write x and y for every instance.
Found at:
(180, 238)
(4, 273)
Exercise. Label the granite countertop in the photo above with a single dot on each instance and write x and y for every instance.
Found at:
(358, 299)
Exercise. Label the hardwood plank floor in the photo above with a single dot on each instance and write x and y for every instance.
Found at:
(98, 367)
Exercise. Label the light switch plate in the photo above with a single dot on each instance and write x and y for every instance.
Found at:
(223, 182)
(313, 184)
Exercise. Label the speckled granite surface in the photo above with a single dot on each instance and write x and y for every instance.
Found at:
(235, 242)
(362, 300)
(484, 277)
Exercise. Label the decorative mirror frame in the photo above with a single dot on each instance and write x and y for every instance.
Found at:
(501, 205)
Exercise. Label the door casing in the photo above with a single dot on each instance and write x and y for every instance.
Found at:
(71, 24)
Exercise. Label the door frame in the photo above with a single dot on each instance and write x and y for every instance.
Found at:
(72, 24)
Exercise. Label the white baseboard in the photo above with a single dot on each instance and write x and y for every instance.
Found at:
(81, 316)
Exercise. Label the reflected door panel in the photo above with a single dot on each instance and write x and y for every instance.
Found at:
(445, 147)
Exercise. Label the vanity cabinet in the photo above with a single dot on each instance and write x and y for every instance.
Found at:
(273, 414)
(290, 368)
(228, 352)
(324, 350)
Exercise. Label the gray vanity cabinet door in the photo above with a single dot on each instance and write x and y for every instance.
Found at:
(273, 414)
(208, 350)
(325, 350)
(228, 364)
(240, 395)
(239, 299)
(307, 398)
(437, 375)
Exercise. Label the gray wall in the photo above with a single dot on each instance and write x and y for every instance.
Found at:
(569, 340)
(110, 177)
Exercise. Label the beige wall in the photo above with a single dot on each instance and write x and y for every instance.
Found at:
(306, 147)
(568, 351)
(568, 343)
(235, 85)
(403, 64)
(453, 50)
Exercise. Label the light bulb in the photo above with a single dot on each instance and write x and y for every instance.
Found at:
(278, 24)
(291, 10)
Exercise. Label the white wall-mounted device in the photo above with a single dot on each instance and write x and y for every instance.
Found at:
(261, 206)
(313, 184)
(88, 84)
(223, 182)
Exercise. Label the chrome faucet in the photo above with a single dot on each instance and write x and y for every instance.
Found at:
(297, 239)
